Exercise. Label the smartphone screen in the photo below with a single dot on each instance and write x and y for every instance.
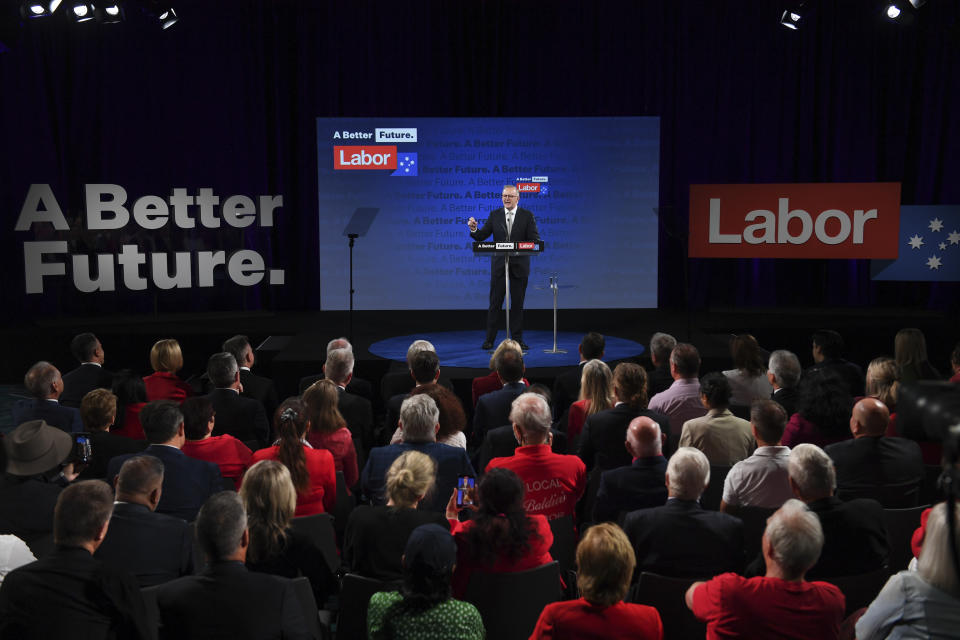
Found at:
(465, 490)
(82, 451)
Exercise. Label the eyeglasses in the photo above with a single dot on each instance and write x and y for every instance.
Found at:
(508, 195)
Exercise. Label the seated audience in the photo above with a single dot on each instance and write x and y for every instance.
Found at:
(328, 429)
(924, 603)
(376, 535)
(681, 401)
(275, 547)
(681, 538)
(724, 438)
(605, 565)
(500, 537)
(227, 600)
(313, 471)
(419, 421)
(640, 485)
(910, 351)
(242, 418)
(253, 386)
(827, 348)
(596, 395)
(166, 359)
(493, 409)
(661, 344)
(186, 482)
(89, 375)
(823, 411)
(131, 395)
(70, 593)
(353, 405)
(567, 385)
(762, 480)
(225, 451)
(399, 379)
(883, 383)
(453, 419)
(854, 535)
(423, 607)
(98, 410)
(501, 442)
(356, 386)
(872, 464)
(14, 553)
(424, 369)
(781, 603)
(44, 383)
(748, 381)
(783, 373)
(554, 483)
(601, 443)
(154, 547)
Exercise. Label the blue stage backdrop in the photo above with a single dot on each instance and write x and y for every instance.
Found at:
(591, 183)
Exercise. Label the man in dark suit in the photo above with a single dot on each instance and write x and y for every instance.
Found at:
(680, 538)
(661, 344)
(400, 379)
(70, 593)
(509, 224)
(253, 386)
(419, 423)
(186, 482)
(89, 375)
(493, 409)
(827, 355)
(424, 369)
(566, 388)
(154, 547)
(783, 372)
(243, 418)
(355, 409)
(640, 485)
(601, 443)
(872, 464)
(227, 600)
(45, 384)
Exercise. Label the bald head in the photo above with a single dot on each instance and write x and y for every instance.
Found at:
(643, 438)
(870, 418)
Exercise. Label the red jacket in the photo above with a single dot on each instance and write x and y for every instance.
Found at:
(321, 495)
(553, 483)
(162, 385)
(225, 451)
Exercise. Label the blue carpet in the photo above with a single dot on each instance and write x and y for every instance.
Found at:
(462, 348)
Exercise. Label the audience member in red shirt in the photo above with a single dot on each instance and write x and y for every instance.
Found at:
(605, 564)
(225, 451)
(131, 398)
(501, 537)
(328, 429)
(780, 604)
(552, 483)
(166, 358)
(312, 470)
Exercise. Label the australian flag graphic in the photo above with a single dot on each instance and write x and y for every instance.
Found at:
(406, 165)
(929, 246)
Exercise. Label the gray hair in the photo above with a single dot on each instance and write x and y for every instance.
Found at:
(661, 344)
(416, 347)
(795, 537)
(785, 367)
(139, 475)
(531, 413)
(222, 368)
(812, 471)
(689, 472)
(511, 186)
(419, 416)
(339, 365)
(339, 343)
(40, 377)
(220, 525)
(935, 564)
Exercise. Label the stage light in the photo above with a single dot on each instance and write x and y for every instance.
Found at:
(37, 9)
(82, 11)
(167, 17)
(918, 3)
(792, 18)
(893, 11)
(110, 14)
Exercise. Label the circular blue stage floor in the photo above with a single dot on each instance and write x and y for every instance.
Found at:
(462, 348)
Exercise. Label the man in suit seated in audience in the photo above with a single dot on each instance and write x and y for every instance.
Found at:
(681, 401)
(70, 593)
(724, 438)
(781, 603)
(424, 369)
(356, 386)
(493, 409)
(762, 480)
(89, 375)
(885, 467)
(154, 547)
(501, 442)
(399, 379)
(680, 538)
(243, 418)
(661, 345)
(827, 355)
(253, 386)
(783, 373)
(227, 600)
(419, 422)
(44, 383)
(186, 482)
(98, 410)
(640, 485)
(553, 483)
(355, 409)
(566, 387)
(854, 535)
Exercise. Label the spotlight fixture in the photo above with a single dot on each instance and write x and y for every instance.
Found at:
(792, 18)
(893, 11)
(918, 3)
(110, 14)
(38, 8)
(167, 17)
(82, 11)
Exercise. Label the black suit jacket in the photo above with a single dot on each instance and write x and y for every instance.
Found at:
(260, 389)
(682, 539)
(243, 418)
(788, 399)
(26, 510)
(53, 413)
(228, 601)
(638, 486)
(849, 372)
(524, 229)
(358, 412)
(82, 381)
(501, 443)
(493, 410)
(154, 547)
(604, 433)
(104, 446)
(891, 468)
(659, 380)
(187, 482)
(566, 389)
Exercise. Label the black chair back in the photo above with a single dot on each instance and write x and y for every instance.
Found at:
(586, 504)
(900, 525)
(892, 496)
(710, 499)
(666, 595)
(754, 522)
(345, 504)
(930, 492)
(153, 610)
(355, 594)
(510, 603)
(199, 557)
(860, 590)
(564, 548)
(304, 593)
(320, 529)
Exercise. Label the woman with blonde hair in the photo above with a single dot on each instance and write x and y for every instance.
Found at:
(910, 351)
(596, 395)
(491, 381)
(376, 535)
(605, 563)
(883, 383)
(166, 359)
(328, 429)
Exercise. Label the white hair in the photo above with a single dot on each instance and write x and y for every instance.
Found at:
(795, 538)
(689, 472)
(662, 343)
(785, 367)
(339, 343)
(419, 416)
(936, 564)
(339, 365)
(812, 471)
(416, 347)
(531, 413)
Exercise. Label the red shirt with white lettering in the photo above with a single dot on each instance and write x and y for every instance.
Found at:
(553, 482)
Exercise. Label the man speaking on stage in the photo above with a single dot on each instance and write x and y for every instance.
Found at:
(507, 224)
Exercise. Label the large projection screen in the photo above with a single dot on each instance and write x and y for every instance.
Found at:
(591, 183)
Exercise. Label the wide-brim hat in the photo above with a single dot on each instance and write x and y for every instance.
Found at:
(35, 447)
